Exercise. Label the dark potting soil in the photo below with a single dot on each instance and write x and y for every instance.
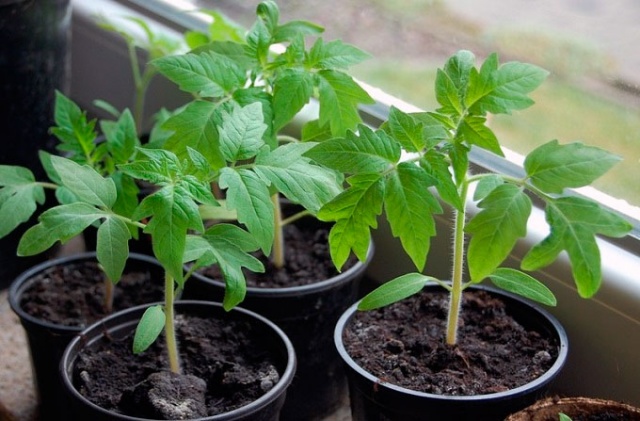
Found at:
(224, 362)
(73, 294)
(307, 261)
(403, 344)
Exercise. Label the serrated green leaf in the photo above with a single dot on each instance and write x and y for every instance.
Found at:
(335, 55)
(553, 167)
(410, 207)
(368, 151)
(574, 223)
(258, 42)
(231, 259)
(406, 130)
(224, 29)
(207, 74)
(121, 137)
(112, 248)
(85, 182)
(292, 90)
(394, 290)
(339, 97)
(60, 223)
(522, 284)
(241, 132)
(355, 210)
(19, 197)
(45, 160)
(75, 132)
(172, 215)
(269, 14)
(496, 228)
(486, 185)
(297, 177)
(510, 85)
(447, 95)
(248, 194)
(196, 127)
(458, 68)
(198, 190)
(313, 132)
(249, 96)
(149, 328)
(437, 166)
(475, 132)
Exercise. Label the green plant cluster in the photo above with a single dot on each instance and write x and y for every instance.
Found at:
(436, 167)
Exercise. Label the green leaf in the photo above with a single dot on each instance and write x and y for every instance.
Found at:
(224, 29)
(249, 96)
(553, 167)
(406, 130)
(339, 99)
(355, 210)
(509, 87)
(335, 55)
(75, 132)
(121, 136)
(196, 127)
(522, 284)
(447, 95)
(112, 247)
(394, 290)
(172, 215)
(292, 90)
(207, 74)
(60, 223)
(89, 186)
(259, 41)
(19, 197)
(495, 229)
(296, 176)
(486, 185)
(367, 151)
(293, 29)
(410, 207)
(149, 328)
(231, 258)
(475, 132)
(249, 196)
(313, 132)
(574, 223)
(437, 166)
(241, 132)
(269, 14)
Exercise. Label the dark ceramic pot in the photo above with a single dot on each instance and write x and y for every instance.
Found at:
(47, 341)
(119, 325)
(374, 399)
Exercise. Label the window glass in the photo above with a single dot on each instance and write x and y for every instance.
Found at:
(589, 46)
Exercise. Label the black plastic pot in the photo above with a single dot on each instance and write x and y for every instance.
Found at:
(122, 324)
(307, 314)
(374, 399)
(34, 62)
(47, 341)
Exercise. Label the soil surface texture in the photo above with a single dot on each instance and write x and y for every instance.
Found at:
(73, 294)
(224, 364)
(403, 344)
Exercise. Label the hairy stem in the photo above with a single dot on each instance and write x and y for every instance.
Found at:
(169, 327)
(277, 254)
(455, 295)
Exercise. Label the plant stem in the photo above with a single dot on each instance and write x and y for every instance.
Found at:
(277, 254)
(169, 327)
(455, 296)
(108, 295)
